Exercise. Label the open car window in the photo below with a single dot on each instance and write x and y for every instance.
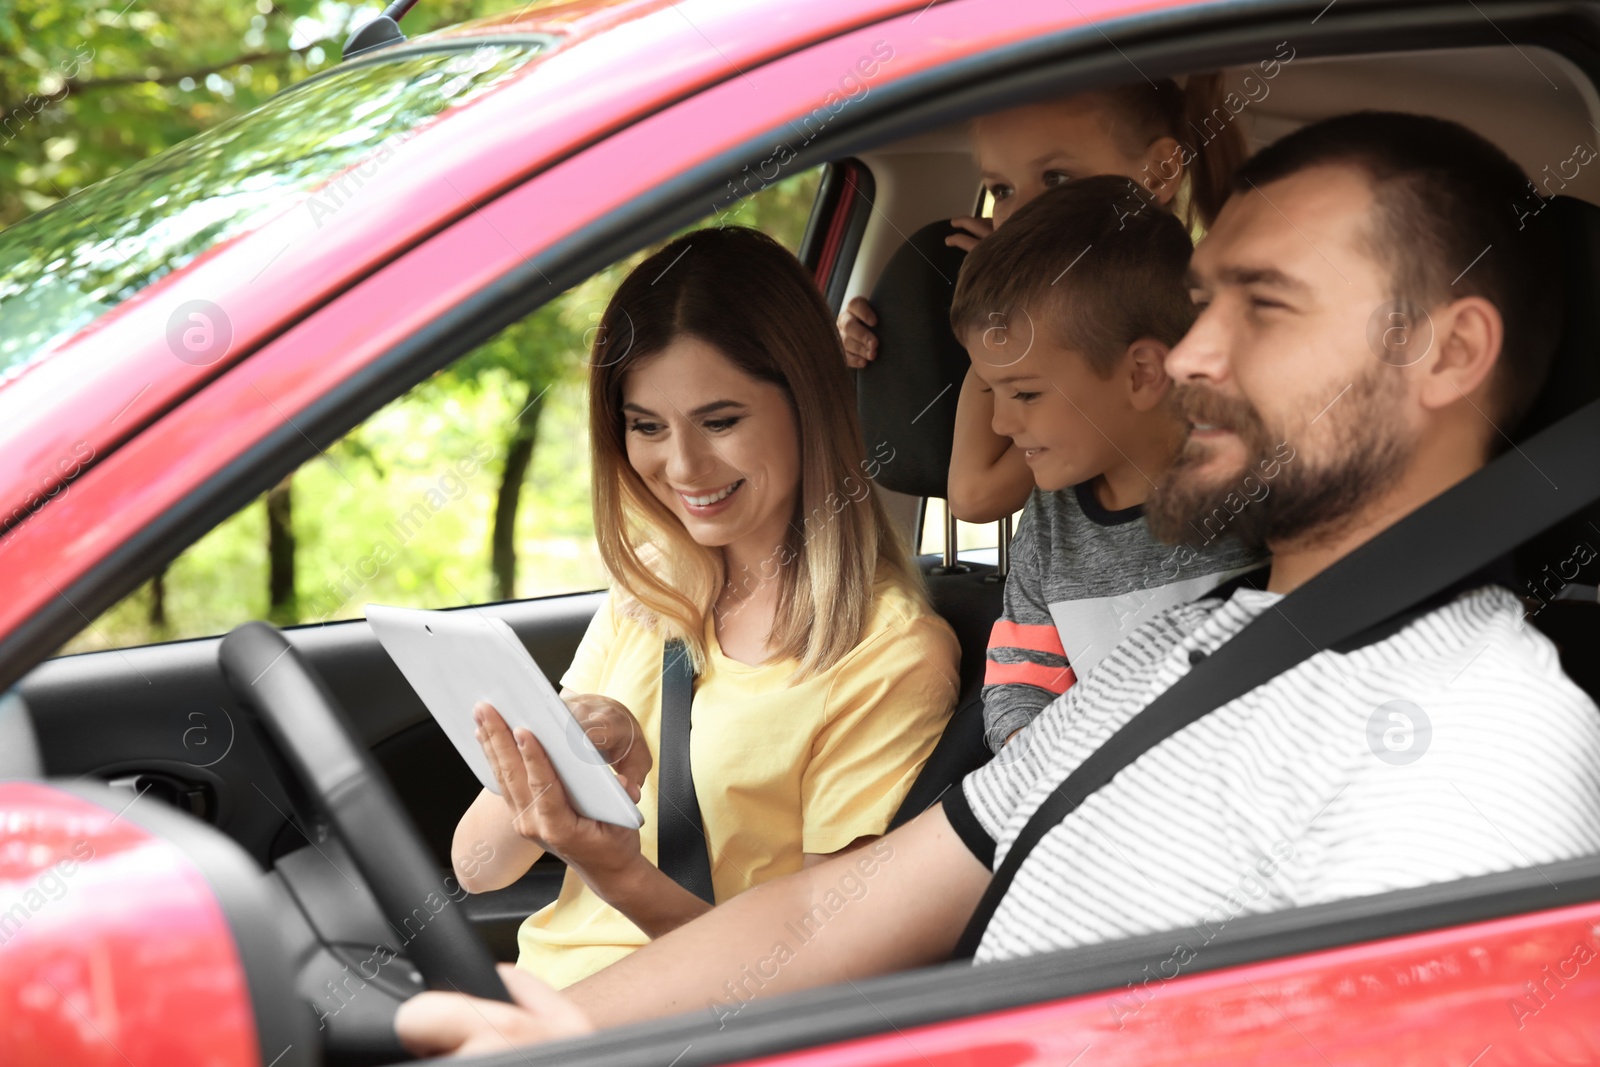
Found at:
(67, 265)
(472, 487)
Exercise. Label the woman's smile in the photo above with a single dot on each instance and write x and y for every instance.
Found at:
(709, 503)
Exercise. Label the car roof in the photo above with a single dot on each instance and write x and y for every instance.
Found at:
(614, 62)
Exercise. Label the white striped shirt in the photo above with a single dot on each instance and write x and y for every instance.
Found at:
(1280, 798)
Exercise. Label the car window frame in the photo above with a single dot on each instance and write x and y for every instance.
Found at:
(1006, 75)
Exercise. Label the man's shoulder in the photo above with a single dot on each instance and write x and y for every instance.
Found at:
(1485, 642)
(1477, 621)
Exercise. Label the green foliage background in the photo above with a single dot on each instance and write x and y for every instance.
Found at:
(89, 88)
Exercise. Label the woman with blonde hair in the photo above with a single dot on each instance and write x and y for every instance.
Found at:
(734, 511)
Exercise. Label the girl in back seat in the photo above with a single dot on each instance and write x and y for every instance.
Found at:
(1181, 145)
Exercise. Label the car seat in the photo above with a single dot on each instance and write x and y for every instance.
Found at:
(1550, 567)
(907, 398)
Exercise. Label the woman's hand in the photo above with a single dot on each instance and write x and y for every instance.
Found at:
(977, 229)
(454, 1024)
(539, 807)
(612, 729)
(855, 332)
(606, 857)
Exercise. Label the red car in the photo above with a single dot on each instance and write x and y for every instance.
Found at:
(176, 340)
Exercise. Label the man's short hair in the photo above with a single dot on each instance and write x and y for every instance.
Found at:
(1449, 222)
(1095, 261)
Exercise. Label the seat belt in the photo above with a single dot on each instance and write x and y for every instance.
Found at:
(1428, 553)
(680, 835)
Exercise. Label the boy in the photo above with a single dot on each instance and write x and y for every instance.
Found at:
(1067, 313)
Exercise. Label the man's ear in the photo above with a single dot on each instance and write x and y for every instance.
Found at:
(1146, 373)
(1467, 337)
(1162, 168)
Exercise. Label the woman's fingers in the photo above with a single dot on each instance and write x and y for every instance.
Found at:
(613, 730)
(501, 749)
(548, 805)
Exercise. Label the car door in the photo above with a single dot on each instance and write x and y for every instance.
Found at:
(1301, 951)
(178, 696)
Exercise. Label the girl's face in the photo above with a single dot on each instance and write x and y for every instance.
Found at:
(1024, 151)
(719, 448)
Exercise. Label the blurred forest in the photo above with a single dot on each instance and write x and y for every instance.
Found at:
(472, 487)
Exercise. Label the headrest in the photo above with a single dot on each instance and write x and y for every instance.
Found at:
(907, 396)
(1554, 558)
(1574, 377)
(19, 748)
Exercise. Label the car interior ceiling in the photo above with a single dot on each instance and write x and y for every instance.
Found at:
(1503, 92)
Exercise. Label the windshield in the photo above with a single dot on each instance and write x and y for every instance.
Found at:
(63, 267)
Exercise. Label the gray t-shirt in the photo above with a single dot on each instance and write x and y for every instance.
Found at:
(1082, 578)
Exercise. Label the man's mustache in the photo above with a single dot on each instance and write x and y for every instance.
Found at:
(1199, 404)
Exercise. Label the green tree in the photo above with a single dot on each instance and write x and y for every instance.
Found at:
(533, 354)
(89, 87)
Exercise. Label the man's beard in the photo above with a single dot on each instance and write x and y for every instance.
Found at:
(1283, 494)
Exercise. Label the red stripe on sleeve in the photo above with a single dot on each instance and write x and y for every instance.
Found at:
(1055, 680)
(1033, 638)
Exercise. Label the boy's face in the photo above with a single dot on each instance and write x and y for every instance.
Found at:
(1049, 401)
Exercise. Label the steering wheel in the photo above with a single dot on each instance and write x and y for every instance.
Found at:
(331, 773)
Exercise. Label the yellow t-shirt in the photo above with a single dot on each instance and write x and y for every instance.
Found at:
(779, 771)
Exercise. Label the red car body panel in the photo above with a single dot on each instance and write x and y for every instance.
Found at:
(636, 94)
(149, 972)
(1523, 990)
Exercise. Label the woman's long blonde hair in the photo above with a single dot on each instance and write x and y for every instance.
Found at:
(741, 292)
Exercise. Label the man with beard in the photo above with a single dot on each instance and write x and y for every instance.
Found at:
(1325, 783)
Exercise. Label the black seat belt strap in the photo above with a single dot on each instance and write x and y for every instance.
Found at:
(680, 835)
(1420, 557)
(1166, 715)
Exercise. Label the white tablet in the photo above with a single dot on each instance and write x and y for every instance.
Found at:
(453, 659)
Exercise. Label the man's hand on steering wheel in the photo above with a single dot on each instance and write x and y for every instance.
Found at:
(454, 1024)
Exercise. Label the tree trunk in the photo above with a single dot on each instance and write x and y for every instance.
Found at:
(158, 600)
(282, 607)
(519, 453)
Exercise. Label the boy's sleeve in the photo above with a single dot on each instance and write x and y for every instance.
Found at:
(588, 663)
(1027, 667)
(886, 710)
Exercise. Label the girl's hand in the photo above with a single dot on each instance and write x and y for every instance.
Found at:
(977, 229)
(540, 810)
(855, 331)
